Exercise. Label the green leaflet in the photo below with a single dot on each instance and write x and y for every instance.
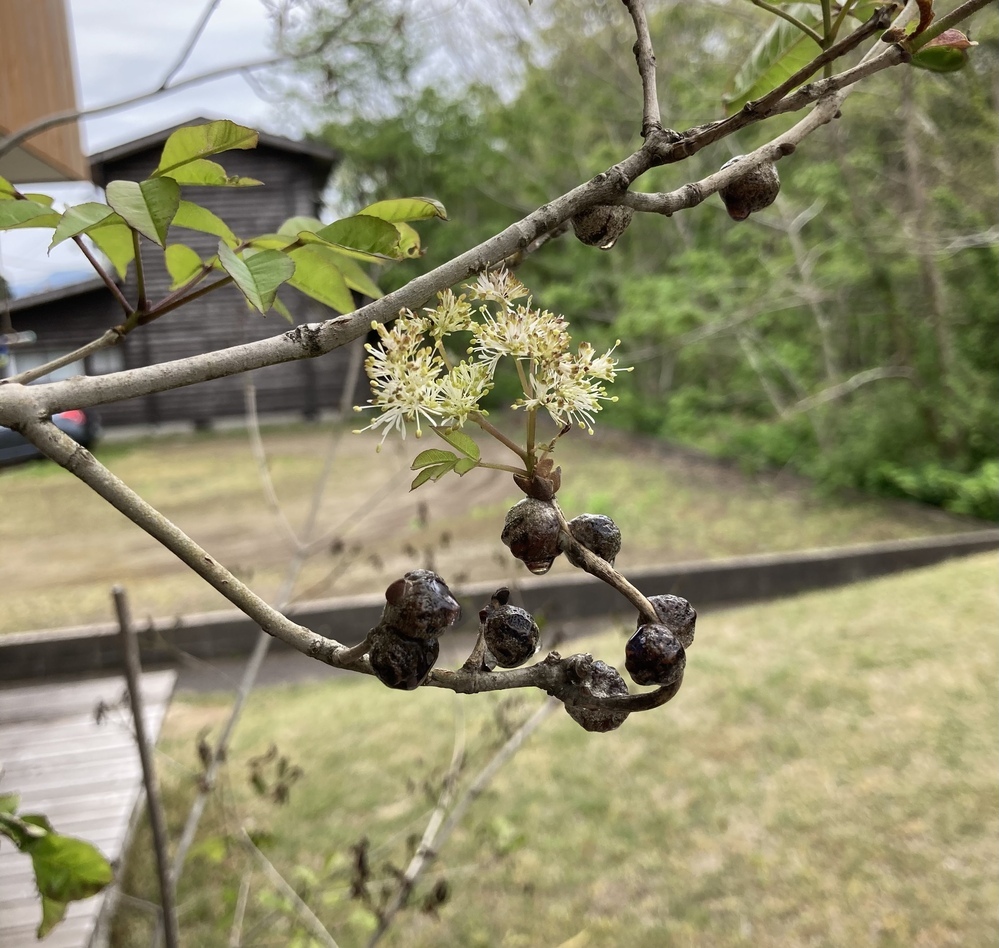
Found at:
(15, 214)
(433, 456)
(434, 463)
(258, 276)
(461, 441)
(182, 263)
(780, 52)
(66, 868)
(195, 217)
(147, 206)
(317, 274)
(368, 234)
(297, 225)
(115, 242)
(81, 218)
(204, 173)
(406, 209)
(196, 142)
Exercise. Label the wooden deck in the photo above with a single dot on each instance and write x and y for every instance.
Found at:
(83, 775)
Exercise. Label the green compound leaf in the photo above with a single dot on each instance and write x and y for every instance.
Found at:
(147, 206)
(81, 218)
(465, 465)
(317, 274)
(406, 209)
(9, 803)
(66, 869)
(196, 142)
(258, 276)
(182, 264)
(203, 173)
(114, 240)
(458, 439)
(780, 52)
(15, 214)
(6, 190)
(433, 456)
(195, 217)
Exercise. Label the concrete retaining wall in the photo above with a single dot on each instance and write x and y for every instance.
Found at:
(705, 583)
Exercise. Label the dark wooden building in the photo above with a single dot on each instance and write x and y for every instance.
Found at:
(294, 174)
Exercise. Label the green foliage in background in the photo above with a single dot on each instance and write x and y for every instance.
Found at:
(848, 332)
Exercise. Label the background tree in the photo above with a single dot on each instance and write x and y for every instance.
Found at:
(840, 333)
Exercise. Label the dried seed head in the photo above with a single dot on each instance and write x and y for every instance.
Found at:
(512, 636)
(531, 532)
(654, 656)
(420, 605)
(752, 192)
(401, 662)
(677, 615)
(599, 534)
(600, 680)
(601, 226)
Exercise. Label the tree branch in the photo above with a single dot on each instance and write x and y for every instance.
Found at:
(645, 56)
(157, 816)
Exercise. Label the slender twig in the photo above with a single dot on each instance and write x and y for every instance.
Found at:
(489, 427)
(427, 848)
(113, 287)
(442, 824)
(260, 459)
(141, 303)
(56, 119)
(279, 882)
(790, 18)
(645, 57)
(192, 41)
(157, 817)
(236, 931)
(107, 339)
(596, 566)
(946, 22)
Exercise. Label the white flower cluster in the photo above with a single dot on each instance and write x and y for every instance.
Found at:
(413, 380)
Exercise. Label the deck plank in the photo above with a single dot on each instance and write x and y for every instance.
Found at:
(84, 775)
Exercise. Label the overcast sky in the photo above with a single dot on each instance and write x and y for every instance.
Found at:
(125, 48)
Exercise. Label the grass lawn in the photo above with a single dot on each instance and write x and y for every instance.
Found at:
(826, 776)
(63, 547)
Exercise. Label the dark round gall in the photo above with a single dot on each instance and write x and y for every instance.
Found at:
(677, 615)
(531, 532)
(600, 681)
(512, 636)
(420, 606)
(752, 192)
(601, 226)
(654, 656)
(599, 534)
(400, 662)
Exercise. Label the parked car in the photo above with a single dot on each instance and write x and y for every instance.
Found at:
(76, 423)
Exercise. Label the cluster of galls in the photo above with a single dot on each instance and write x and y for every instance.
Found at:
(403, 647)
(654, 655)
(531, 531)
